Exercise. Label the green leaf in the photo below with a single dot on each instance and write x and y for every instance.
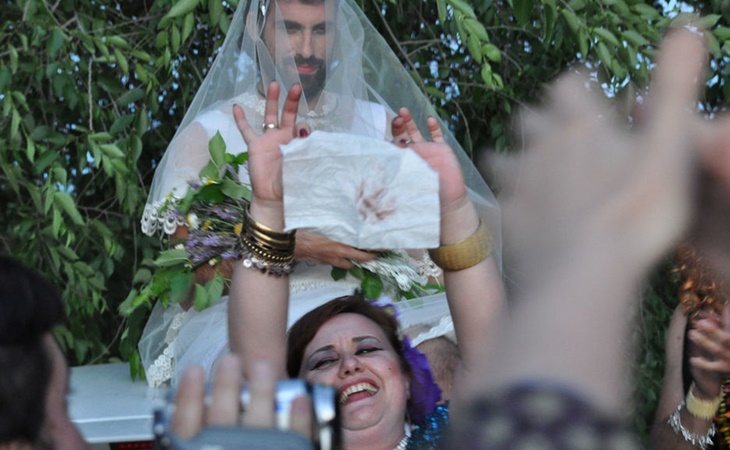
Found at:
(130, 97)
(175, 39)
(571, 19)
(30, 150)
(635, 38)
(143, 275)
(217, 149)
(372, 286)
(65, 202)
(472, 43)
(172, 257)
(122, 61)
(210, 171)
(212, 193)
(122, 123)
(441, 6)
(112, 151)
(338, 274)
(522, 10)
(214, 287)
(712, 45)
(188, 25)
(474, 27)
(709, 21)
(492, 52)
(215, 9)
(463, 7)
(44, 161)
(235, 190)
(201, 300)
(55, 42)
(181, 8)
(13, 59)
(722, 33)
(180, 284)
(606, 36)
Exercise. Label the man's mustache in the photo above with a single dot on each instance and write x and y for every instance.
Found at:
(311, 61)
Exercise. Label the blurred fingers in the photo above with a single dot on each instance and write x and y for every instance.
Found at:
(187, 420)
(262, 388)
(301, 416)
(225, 406)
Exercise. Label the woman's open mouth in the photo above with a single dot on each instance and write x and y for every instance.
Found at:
(356, 392)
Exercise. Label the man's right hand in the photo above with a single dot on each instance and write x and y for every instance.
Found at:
(314, 248)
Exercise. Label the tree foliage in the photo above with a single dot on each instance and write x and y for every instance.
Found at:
(92, 90)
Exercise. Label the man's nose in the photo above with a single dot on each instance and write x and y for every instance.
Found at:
(306, 49)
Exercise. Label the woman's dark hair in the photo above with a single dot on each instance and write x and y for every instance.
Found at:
(304, 330)
(29, 308)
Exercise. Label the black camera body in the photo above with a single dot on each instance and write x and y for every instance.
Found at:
(326, 430)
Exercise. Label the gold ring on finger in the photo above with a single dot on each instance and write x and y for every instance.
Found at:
(269, 126)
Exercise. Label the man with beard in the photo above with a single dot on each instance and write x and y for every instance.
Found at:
(352, 83)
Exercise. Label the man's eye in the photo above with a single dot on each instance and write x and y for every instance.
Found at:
(320, 31)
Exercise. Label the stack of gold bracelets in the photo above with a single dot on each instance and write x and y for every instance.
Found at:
(272, 252)
(464, 254)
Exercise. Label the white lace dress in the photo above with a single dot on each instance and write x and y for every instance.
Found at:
(173, 338)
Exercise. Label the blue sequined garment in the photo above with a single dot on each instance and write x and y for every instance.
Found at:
(427, 435)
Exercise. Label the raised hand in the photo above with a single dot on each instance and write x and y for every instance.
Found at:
(264, 156)
(709, 350)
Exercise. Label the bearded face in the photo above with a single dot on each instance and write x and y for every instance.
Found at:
(305, 29)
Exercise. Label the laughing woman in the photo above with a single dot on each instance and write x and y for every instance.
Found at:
(349, 343)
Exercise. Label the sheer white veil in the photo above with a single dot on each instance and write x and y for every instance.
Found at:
(364, 84)
(358, 86)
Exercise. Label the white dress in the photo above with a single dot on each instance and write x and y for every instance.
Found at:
(174, 339)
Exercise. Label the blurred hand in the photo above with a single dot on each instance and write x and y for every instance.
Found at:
(709, 350)
(191, 414)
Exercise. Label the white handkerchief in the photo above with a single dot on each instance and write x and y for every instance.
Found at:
(360, 191)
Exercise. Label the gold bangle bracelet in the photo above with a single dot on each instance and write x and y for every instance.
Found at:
(702, 409)
(464, 254)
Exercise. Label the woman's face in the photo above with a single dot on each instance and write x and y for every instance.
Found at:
(352, 353)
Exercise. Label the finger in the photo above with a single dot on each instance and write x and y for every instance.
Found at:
(301, 416)
(262, 387)
(673, 92)
(303, 129)
(225, 405)
(272, 104)
(434, 128)
(187, 420)
(243, 127)
(725, 317)
(413, 132)
(291, 105)
(709, 365)
(398, 130)
(708, 342)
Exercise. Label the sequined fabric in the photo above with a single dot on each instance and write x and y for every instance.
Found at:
(427, 435)
(537, 416)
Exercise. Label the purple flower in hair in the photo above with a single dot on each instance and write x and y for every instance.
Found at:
(425, 393)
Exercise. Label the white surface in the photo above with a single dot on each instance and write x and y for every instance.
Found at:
(107, 406)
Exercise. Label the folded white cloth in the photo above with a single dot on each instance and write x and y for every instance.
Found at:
(360, 191)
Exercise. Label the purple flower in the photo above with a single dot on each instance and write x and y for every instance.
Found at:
(425, 393)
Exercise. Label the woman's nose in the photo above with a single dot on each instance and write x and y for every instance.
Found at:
(349, 365)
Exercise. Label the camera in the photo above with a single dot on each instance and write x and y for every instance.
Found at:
(326, 431)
